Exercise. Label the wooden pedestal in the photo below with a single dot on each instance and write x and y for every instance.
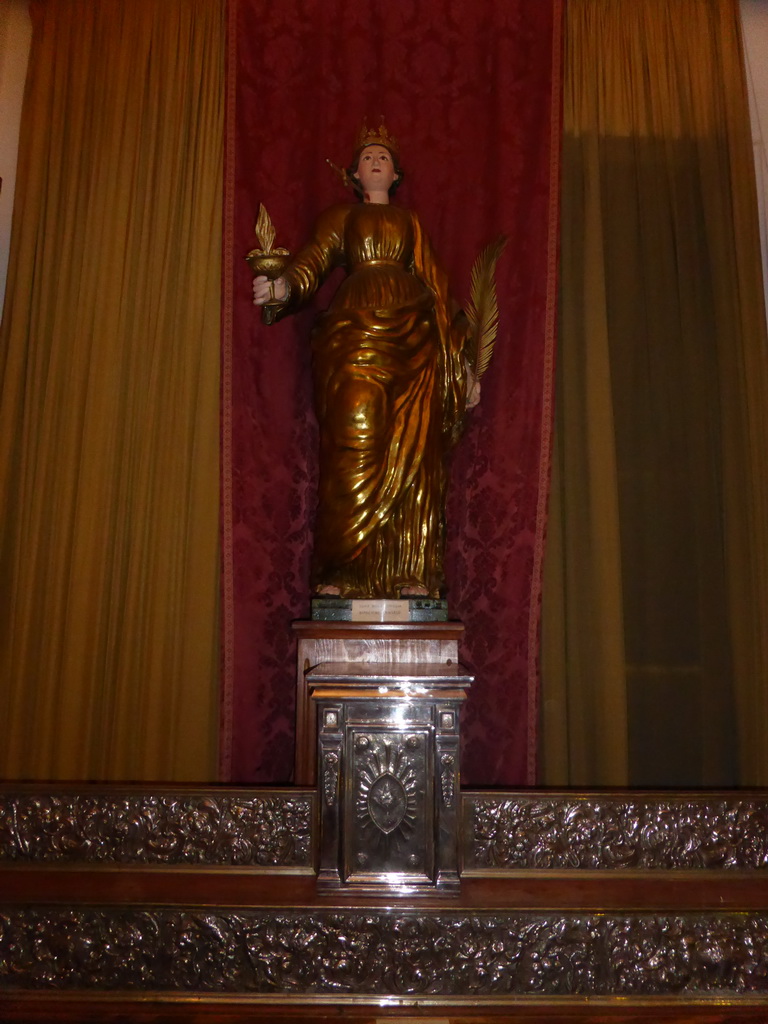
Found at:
(323, 642)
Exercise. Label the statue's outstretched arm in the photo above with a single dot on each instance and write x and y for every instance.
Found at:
(307, 270)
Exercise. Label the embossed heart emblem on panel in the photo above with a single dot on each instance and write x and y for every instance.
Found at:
(387, 802)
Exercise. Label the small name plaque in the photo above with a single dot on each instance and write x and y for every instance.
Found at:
(380, 611)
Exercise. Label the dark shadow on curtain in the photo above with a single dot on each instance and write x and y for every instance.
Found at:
(655, 654)
(668, 340)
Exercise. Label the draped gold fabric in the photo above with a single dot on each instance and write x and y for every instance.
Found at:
(655, 651)
(390, 386)
(109, 402)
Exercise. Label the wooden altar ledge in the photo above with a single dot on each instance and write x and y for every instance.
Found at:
(123, 904)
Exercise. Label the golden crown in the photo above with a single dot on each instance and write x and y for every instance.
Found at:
(377, 137)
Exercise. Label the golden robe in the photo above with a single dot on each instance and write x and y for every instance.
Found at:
(390, 390)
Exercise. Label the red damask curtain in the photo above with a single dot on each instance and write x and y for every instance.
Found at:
(471, 90)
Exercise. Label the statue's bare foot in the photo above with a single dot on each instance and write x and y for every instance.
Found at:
(414, 592)
(328, 590)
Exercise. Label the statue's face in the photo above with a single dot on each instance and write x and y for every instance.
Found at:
(375, 169)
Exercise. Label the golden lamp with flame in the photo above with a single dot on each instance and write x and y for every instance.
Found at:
(267, 260)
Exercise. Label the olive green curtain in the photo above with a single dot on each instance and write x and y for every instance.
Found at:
(109, 397)
(655, 657)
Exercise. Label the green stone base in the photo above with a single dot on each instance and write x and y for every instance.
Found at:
(410, 609)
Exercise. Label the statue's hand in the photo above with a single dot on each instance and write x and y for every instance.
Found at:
(473, 388)
(265, 290)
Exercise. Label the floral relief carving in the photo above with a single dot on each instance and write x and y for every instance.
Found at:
(269, 829)
(568, 832)
(447, 778)
(378, 953)
(330, 776)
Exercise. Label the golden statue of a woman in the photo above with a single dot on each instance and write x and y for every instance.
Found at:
(391, 381)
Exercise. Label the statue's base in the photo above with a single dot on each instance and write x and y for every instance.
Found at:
(431, 643)
(407, 609)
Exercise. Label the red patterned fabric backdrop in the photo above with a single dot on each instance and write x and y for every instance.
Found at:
(471, 90)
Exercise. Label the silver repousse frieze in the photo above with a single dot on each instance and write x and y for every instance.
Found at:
(337, 952)
(271, 829)
(566, 832)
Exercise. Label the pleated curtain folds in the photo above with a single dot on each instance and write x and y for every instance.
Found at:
(655, 652)
(655, 657)
(109, 404)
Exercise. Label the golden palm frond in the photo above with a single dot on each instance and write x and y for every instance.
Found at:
(265, 230)
(483, 308)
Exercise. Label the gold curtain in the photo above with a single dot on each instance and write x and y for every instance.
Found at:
(109, 397)
(655, 658)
